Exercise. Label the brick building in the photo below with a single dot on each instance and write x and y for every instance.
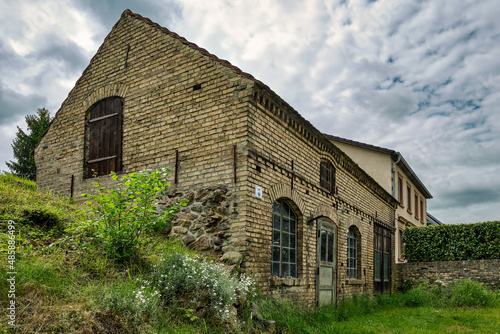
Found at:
(265, 187)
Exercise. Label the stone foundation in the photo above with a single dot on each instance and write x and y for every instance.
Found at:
(204, 224)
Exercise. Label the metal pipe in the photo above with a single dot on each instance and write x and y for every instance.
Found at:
(176, 165)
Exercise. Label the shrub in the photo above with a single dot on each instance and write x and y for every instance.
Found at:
(452, 242)
(129, 210)
(471, 293)
(204, 283)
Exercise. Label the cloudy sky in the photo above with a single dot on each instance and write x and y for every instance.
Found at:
(418, 77)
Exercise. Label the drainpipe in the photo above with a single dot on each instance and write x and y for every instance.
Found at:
(394, 175)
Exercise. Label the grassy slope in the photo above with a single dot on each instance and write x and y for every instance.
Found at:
(65, 284)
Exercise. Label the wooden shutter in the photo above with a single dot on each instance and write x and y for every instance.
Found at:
(327, 176)
(105, 137)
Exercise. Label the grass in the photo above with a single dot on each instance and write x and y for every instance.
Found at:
(392, 313)
(65, 283)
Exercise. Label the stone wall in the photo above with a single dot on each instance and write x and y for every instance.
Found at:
(204, 223)
(485, 271)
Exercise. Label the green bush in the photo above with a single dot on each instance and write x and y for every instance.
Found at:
(471, 293)
(129, 210)
(479, 241)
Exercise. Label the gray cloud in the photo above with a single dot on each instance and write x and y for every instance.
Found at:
(13, 105)
(422, 78)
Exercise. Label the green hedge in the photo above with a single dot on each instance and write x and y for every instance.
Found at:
(479, 241)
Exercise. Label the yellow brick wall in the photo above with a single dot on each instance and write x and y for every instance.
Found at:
(273, 144)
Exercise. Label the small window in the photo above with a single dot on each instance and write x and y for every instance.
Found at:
(104, 137)
(352, 254)
(327, 176)
(422, 218)
(408, 190)
(284, 240)
(400, 189)
(326, 246)
(416, 205)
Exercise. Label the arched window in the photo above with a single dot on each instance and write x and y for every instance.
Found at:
(352, 253)
(284, 241)
(105, 137)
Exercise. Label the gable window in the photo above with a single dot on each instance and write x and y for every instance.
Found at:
(284, 242)
(327, 176)
(352, 254)
(104, 127)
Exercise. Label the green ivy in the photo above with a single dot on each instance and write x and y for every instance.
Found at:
(480, 241)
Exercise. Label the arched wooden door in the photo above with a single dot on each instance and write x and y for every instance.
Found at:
(326, 279)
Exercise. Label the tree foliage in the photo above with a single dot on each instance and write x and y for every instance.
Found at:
(480, 241)
(24, 143)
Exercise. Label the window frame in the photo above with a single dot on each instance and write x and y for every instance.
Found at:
(285, 212)
(400, 190)
(408, 197)
(422, 217)
(415, 196)
(352, 260)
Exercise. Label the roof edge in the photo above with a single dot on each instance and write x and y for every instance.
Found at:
(394, 155)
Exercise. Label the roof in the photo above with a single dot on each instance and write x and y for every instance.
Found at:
(431, 220)
(403, 164)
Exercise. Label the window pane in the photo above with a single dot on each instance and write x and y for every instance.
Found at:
(386, 267)
(286, 270)
(292, 240)
(330, 247)
(286, 224)
(323, 245)
(277, 208)
(286, 210)
(276, 222)
(286, 240)
(293, 224)
(293, 270)
(285, 255)
(275, 269)
(276, 238)
(377, 266)
(276, 254)
(292, 256)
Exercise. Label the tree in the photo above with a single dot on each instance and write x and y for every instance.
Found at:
(24, 143)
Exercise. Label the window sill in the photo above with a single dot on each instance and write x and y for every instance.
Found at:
(354, 282)
(285, 281)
